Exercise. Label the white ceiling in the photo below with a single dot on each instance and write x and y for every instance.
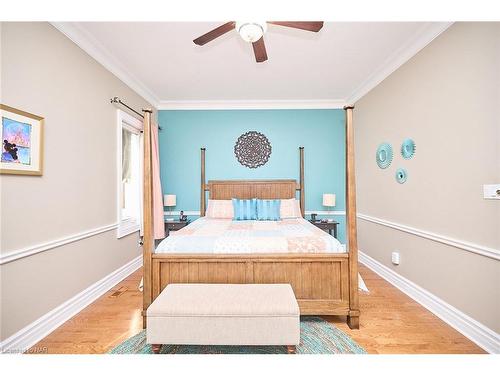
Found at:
(326, 69)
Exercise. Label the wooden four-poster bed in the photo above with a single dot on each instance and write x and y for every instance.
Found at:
(323, 283)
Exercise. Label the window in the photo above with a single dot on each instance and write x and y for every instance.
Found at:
(129, 174)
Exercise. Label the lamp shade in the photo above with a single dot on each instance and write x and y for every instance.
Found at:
(329, 200)
(169, 200)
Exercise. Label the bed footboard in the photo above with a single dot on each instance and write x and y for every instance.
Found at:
(320, 281)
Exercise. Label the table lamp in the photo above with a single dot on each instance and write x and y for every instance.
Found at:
(169, 200)
(329, 201)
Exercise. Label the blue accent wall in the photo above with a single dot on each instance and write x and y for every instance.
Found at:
(320, 131)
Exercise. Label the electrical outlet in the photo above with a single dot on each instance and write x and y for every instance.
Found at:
(395, 258)
(491, 191)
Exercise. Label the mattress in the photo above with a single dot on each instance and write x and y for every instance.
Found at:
(225, 236)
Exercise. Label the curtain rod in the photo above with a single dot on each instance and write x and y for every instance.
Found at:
(117, 100)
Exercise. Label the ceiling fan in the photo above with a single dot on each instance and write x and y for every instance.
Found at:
(253, 32)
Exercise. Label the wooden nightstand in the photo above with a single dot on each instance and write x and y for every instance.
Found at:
(174, 225)
(329, 226)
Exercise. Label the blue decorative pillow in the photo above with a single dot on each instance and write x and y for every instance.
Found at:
(268, 209)
(245, 209)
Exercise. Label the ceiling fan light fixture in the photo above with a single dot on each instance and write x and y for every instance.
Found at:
(251, 31)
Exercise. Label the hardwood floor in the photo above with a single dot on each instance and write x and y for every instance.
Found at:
(391, 322)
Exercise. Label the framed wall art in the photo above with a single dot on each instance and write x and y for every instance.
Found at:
(252, 149)
(22, 142)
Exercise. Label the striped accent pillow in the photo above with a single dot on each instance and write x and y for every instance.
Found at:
(245, 209)
(268, 209)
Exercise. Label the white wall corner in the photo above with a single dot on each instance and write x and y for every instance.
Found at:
(40, 328)
(96, 50)
(426, 34)
(477, 332)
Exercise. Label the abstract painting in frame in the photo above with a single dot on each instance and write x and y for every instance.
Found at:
(22, 142)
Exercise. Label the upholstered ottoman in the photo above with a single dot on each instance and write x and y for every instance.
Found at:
(224, 314)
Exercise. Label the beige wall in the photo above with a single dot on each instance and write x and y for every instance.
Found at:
(45, 73)
(447, 98)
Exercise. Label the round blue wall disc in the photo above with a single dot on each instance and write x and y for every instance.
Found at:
(401, 175)
(384, 155)
(408, 148)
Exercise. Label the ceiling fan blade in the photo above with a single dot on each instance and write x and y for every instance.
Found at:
(215, 33)
(308, 26)
(259, 49)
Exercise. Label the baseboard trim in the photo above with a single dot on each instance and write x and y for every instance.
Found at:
(32, 250)
(468, 246)
(40, 328)
(469, 327)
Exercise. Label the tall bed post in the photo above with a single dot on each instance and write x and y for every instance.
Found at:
(302, 187)
(203, 186)
(147, 212)
(353, 317)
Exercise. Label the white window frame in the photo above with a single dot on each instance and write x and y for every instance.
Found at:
(127, 226)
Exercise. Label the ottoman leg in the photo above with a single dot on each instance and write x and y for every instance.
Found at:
(156, 348)
(290, 349)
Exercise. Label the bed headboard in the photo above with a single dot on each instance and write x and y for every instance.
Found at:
(263, 189)
(243, 189)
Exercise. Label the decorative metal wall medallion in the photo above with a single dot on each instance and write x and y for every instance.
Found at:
(252, 149)
(408, 148)
(401, 175)
(384, 155)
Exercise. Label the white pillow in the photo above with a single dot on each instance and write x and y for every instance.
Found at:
(290, 209)
(220, 209)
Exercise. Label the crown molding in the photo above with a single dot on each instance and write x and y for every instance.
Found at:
(96, 50)
(426, 34)
(250, 104)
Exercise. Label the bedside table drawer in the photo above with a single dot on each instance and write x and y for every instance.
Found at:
(329, 226)
(175, 226)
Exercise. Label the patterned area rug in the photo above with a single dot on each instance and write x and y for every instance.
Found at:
(317, 336)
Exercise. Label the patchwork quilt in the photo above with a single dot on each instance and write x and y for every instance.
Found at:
(225, 236)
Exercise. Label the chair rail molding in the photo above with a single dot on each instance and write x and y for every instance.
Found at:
(35, 249)
(464, 245)
(483, 336)
(326, 213)
(197, 213)
(34, 332)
